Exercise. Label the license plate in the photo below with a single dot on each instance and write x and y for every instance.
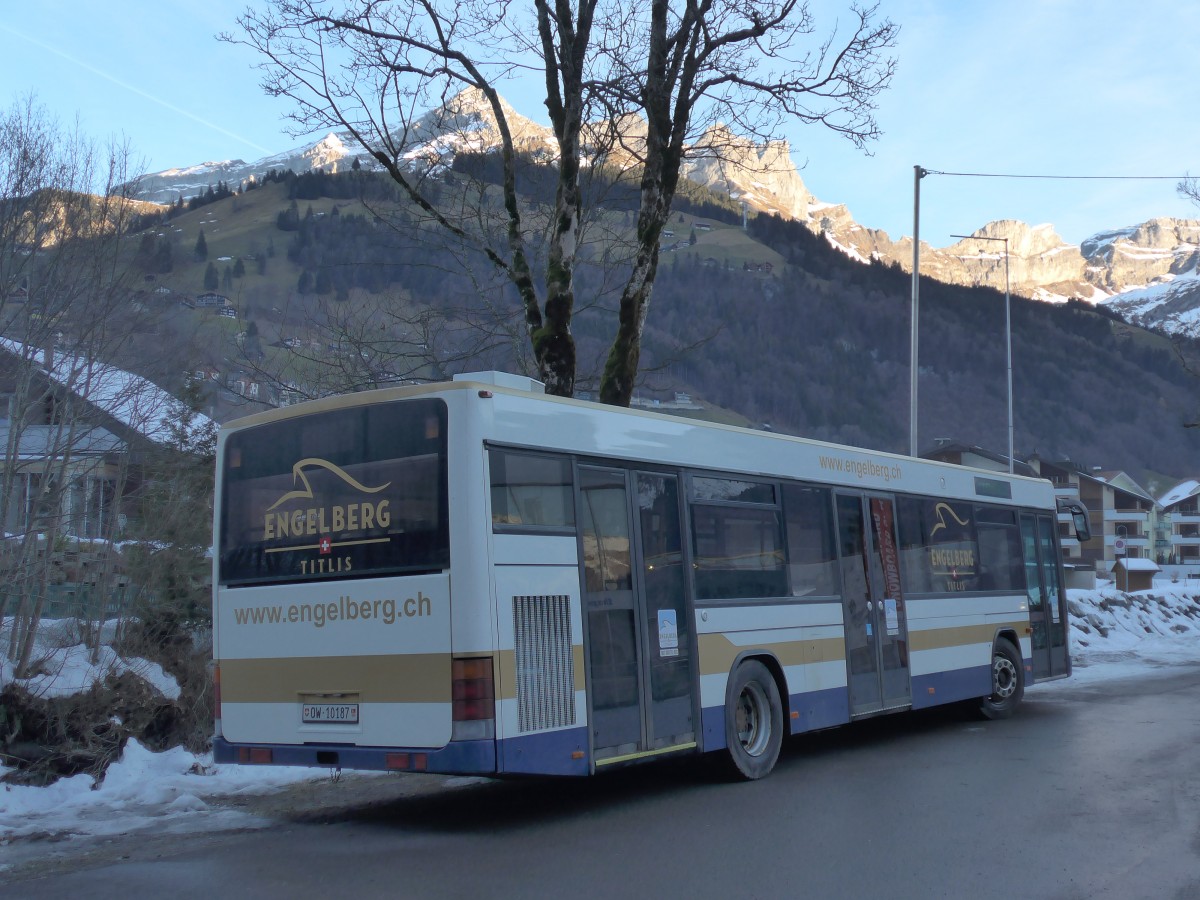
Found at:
(329, 713)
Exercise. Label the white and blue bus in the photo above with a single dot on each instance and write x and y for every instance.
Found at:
(474, 577)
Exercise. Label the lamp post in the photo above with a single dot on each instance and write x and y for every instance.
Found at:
(1007, 334)
(914, 371)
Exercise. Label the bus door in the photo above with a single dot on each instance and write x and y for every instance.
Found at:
(1047, 611)
(640, 637)
(876, 624)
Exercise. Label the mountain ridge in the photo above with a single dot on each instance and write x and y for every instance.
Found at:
(1149, 272)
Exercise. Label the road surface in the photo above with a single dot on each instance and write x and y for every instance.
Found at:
(1091, 791)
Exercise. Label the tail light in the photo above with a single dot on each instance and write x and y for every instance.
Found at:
(473, 692)
(217, 701)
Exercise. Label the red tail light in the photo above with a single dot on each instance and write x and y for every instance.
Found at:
(217, 700)
(473, 689)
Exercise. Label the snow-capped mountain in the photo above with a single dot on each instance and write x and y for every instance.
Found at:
(1148, 272)
(763, 176)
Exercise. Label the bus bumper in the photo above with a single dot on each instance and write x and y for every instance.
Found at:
(457, 757)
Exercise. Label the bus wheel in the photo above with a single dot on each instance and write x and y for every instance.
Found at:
(753, 721)
(1008, 682)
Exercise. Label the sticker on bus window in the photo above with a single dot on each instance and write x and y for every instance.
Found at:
(668, 633)
(891, 616)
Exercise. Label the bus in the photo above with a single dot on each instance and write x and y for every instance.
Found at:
(475, 577)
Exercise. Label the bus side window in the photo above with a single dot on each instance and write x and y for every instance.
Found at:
(531, 490)
(812, 555)
(1001, 564)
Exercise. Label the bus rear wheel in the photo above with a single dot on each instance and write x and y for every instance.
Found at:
(1008, 682)
(753, 721)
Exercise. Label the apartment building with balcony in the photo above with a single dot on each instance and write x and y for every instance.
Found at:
(1122, 513)
(1180, 524)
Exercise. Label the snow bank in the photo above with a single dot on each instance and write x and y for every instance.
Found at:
(141, 790)
(64, 666)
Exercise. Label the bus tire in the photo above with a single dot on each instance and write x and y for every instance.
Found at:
(753, 721)
(1008, 682)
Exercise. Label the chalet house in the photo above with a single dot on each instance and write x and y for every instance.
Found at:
(209, 300)
(76, 434)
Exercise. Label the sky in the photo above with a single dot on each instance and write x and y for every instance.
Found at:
(177, 791)
(1026, 87)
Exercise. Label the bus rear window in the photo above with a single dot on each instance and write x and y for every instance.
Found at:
(348, 493)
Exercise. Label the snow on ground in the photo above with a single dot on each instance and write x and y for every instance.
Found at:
(66, 666)
(1113, 635)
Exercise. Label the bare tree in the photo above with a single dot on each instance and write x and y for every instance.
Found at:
(365, 342)
(65, 309)
(372, 70)
(1190, 188)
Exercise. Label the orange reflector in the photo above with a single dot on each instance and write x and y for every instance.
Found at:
(932, 690)
(258, 755)
(397, 761)
(420, 762)
(795, 714)
(578, 754)
(472, 668)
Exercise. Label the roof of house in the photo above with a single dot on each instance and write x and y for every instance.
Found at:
(1138, 564)
(41, 441)
(1180, 492)
(129, 399)
(948, 448)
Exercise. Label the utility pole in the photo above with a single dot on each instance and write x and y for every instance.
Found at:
(918, 174)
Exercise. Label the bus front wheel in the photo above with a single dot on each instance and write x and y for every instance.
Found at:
(753, 721)
(1008, 682)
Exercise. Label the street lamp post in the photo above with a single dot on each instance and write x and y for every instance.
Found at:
(914, 369)
(1007, 334)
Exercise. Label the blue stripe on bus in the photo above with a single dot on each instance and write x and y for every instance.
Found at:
(948, 687)
(457, 757)
(817, 709)
(547, 753)
(820, 709)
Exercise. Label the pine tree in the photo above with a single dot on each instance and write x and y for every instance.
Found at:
(239, 268)
(162, 257)
(210, 277)
(201, 251)
(324, 282)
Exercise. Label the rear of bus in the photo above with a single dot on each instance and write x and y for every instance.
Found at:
(332, 623)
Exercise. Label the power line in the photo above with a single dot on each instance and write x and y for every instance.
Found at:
(1065, 177)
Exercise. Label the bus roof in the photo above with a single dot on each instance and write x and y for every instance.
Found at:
(519, 418)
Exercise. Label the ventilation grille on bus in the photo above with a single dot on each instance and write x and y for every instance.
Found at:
(545, 666)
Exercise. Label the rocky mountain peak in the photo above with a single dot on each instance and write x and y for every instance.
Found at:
(1144, 258)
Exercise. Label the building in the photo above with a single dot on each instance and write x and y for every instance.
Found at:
(1180, 524)
(76, 435)
(1122, 513)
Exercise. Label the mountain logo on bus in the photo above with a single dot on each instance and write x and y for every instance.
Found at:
(941, 510)
(306, 493)
(322, 521)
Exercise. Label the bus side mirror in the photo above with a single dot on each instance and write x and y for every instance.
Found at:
(1079, 519)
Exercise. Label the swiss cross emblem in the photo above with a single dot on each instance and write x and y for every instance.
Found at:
(325, 545)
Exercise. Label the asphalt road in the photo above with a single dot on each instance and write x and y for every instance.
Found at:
(1090, 792)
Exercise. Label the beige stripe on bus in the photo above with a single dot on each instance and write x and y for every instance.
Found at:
(960, 635)
(390, 678)
(717, 652)
(506, 672)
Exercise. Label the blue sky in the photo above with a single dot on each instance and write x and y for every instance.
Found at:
(1043, 87)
